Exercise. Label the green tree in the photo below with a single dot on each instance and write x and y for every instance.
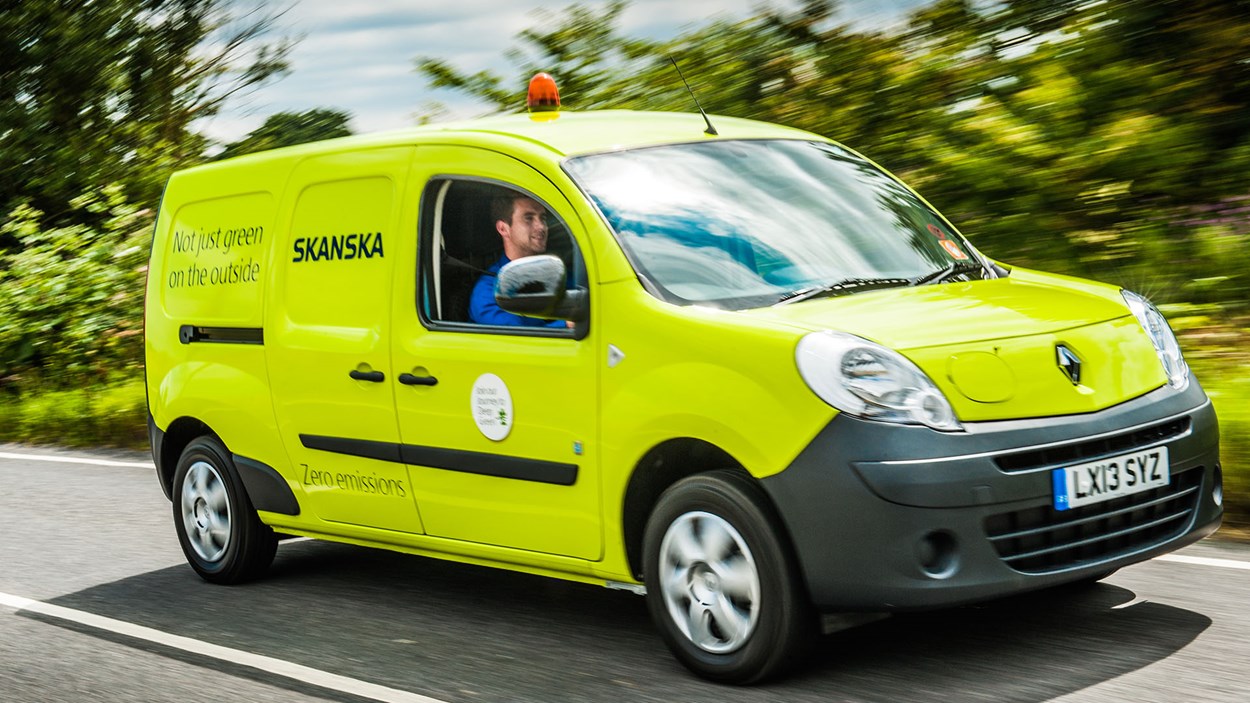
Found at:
(1104, 139)
(291, 128)
(734, 67)
(71, 298)
(583, 47)
(106, 91)
(1096, 139)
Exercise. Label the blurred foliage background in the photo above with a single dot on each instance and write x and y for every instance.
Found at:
(1099, 138)
(1105, 139)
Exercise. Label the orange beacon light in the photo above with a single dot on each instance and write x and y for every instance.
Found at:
(543, 95)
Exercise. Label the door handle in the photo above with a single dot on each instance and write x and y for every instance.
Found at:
(409, 380)
(375, 376)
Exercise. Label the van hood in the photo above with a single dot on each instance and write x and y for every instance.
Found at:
(952, 313)
(994, 347)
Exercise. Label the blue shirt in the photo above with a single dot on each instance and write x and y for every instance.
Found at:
(485, 311)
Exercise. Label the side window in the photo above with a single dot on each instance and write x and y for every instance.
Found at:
(469, 230)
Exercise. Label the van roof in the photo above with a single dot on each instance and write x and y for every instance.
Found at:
(574, 133)
(565, 133)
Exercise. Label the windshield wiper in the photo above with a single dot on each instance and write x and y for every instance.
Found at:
(953, 269)
(843, 286)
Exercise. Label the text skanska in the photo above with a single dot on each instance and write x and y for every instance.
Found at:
(341, 246)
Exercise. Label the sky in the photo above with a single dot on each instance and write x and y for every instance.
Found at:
(358, 55)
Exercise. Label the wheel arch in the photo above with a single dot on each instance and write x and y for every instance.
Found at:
(173, 441)
(661, 467)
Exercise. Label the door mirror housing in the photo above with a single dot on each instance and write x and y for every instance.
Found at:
(534, 286)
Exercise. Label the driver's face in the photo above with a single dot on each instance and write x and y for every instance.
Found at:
(527, 233)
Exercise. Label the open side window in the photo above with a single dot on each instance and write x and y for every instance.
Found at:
(460, 244)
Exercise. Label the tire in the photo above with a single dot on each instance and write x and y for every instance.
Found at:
(218, 529)
(722, 587)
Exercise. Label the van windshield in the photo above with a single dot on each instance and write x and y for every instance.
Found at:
(740, 224)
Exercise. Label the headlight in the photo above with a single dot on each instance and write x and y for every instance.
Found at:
(868, 380)
(1160, 334)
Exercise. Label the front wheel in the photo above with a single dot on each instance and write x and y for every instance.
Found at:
(220, 533)
(721, 583)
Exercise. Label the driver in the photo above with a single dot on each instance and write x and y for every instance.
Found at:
(522, 224)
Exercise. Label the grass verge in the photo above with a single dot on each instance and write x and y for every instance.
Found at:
(1231, 396)
(113, 415)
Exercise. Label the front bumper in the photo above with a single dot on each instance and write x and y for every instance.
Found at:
(895, 517)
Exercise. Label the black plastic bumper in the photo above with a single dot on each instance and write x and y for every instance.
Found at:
(894, 517)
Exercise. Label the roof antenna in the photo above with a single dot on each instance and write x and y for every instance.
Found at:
(710, 129)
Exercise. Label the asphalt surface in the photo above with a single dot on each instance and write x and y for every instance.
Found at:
(99, 540)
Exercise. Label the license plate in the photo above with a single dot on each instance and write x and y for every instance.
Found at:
(1113, 477)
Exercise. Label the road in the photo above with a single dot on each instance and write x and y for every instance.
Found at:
(98, 604)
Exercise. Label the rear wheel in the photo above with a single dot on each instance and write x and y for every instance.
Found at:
(220, 533)
(721, 583)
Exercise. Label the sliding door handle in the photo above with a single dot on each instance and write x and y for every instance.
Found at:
(409, 380)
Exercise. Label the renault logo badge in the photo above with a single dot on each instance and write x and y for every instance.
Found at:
(1069, 363)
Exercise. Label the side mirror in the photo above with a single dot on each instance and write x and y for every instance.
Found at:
(535, 287)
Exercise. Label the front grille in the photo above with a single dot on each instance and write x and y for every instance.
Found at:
(1042, 539)
(1079, 452)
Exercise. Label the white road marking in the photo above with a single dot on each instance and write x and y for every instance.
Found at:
(289, 670)
(1205, 561)
(77, 460)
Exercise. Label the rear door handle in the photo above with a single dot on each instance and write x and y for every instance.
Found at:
(409, 380)
(374, 376)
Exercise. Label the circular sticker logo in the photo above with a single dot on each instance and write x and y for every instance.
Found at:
(491, 404)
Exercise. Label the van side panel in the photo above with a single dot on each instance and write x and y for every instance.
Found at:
(210, 261)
